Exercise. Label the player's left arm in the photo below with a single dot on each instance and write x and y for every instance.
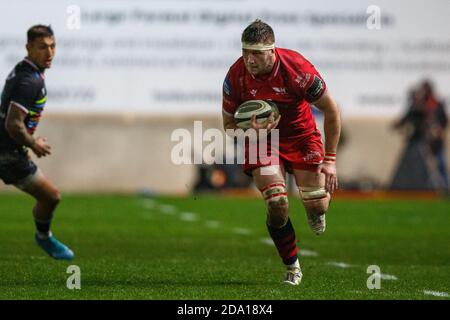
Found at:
(332, 128)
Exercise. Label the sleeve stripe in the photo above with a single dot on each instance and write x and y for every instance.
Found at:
(18, 105)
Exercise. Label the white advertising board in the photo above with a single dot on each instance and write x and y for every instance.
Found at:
(163, 57)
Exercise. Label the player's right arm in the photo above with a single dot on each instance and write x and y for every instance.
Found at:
(15, 126)
(22, 98)
(229, 103)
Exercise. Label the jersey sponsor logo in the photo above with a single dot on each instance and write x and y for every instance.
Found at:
(302, 79)
(315, 89)
(279, 90)
(227, 86)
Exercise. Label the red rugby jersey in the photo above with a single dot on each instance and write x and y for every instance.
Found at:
(292, 85)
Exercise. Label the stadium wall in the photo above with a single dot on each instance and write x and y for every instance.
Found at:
(127, 153)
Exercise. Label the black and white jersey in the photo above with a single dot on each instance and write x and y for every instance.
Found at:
(25, 87)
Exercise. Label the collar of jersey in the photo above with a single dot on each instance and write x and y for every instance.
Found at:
(35, 67)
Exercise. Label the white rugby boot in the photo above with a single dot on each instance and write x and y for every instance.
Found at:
(293, 274)
(317, 223)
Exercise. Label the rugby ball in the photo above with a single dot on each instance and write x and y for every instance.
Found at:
(262, 109)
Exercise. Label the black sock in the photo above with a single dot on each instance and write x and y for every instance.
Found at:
(285, 241)
(42, 226)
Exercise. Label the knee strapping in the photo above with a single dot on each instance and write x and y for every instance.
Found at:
(275, 193)
(315, 199)
(275, 196)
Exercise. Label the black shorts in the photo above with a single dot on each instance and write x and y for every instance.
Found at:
(15, 166)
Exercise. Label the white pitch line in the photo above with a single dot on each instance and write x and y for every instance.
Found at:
(301, 252)
(307, 253)
(148, 204)
(340, 264)
(356, 291)
(436, 293)
(388, 277)
(167, 209)
(242, 231)
(37, 258)
(212, 224)
(188, 216)
(267, 241)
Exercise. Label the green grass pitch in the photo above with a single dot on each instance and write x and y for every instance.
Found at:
(212, 247)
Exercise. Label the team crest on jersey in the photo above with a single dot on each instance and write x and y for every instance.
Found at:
(253, 92)
(302, 79)
(227, 86)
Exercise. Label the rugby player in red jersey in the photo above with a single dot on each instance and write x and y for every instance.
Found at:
(22, 102)
(265, 72)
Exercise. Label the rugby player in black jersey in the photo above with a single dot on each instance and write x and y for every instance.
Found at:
(22, 103)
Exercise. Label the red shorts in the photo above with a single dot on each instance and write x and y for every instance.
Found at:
(304, 153)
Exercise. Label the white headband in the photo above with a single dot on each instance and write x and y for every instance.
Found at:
(258, 46)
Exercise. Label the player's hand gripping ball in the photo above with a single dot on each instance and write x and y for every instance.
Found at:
(262, 109)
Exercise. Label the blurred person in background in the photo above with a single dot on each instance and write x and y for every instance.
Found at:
(436, 121)
(22, 102)
(427, 120)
